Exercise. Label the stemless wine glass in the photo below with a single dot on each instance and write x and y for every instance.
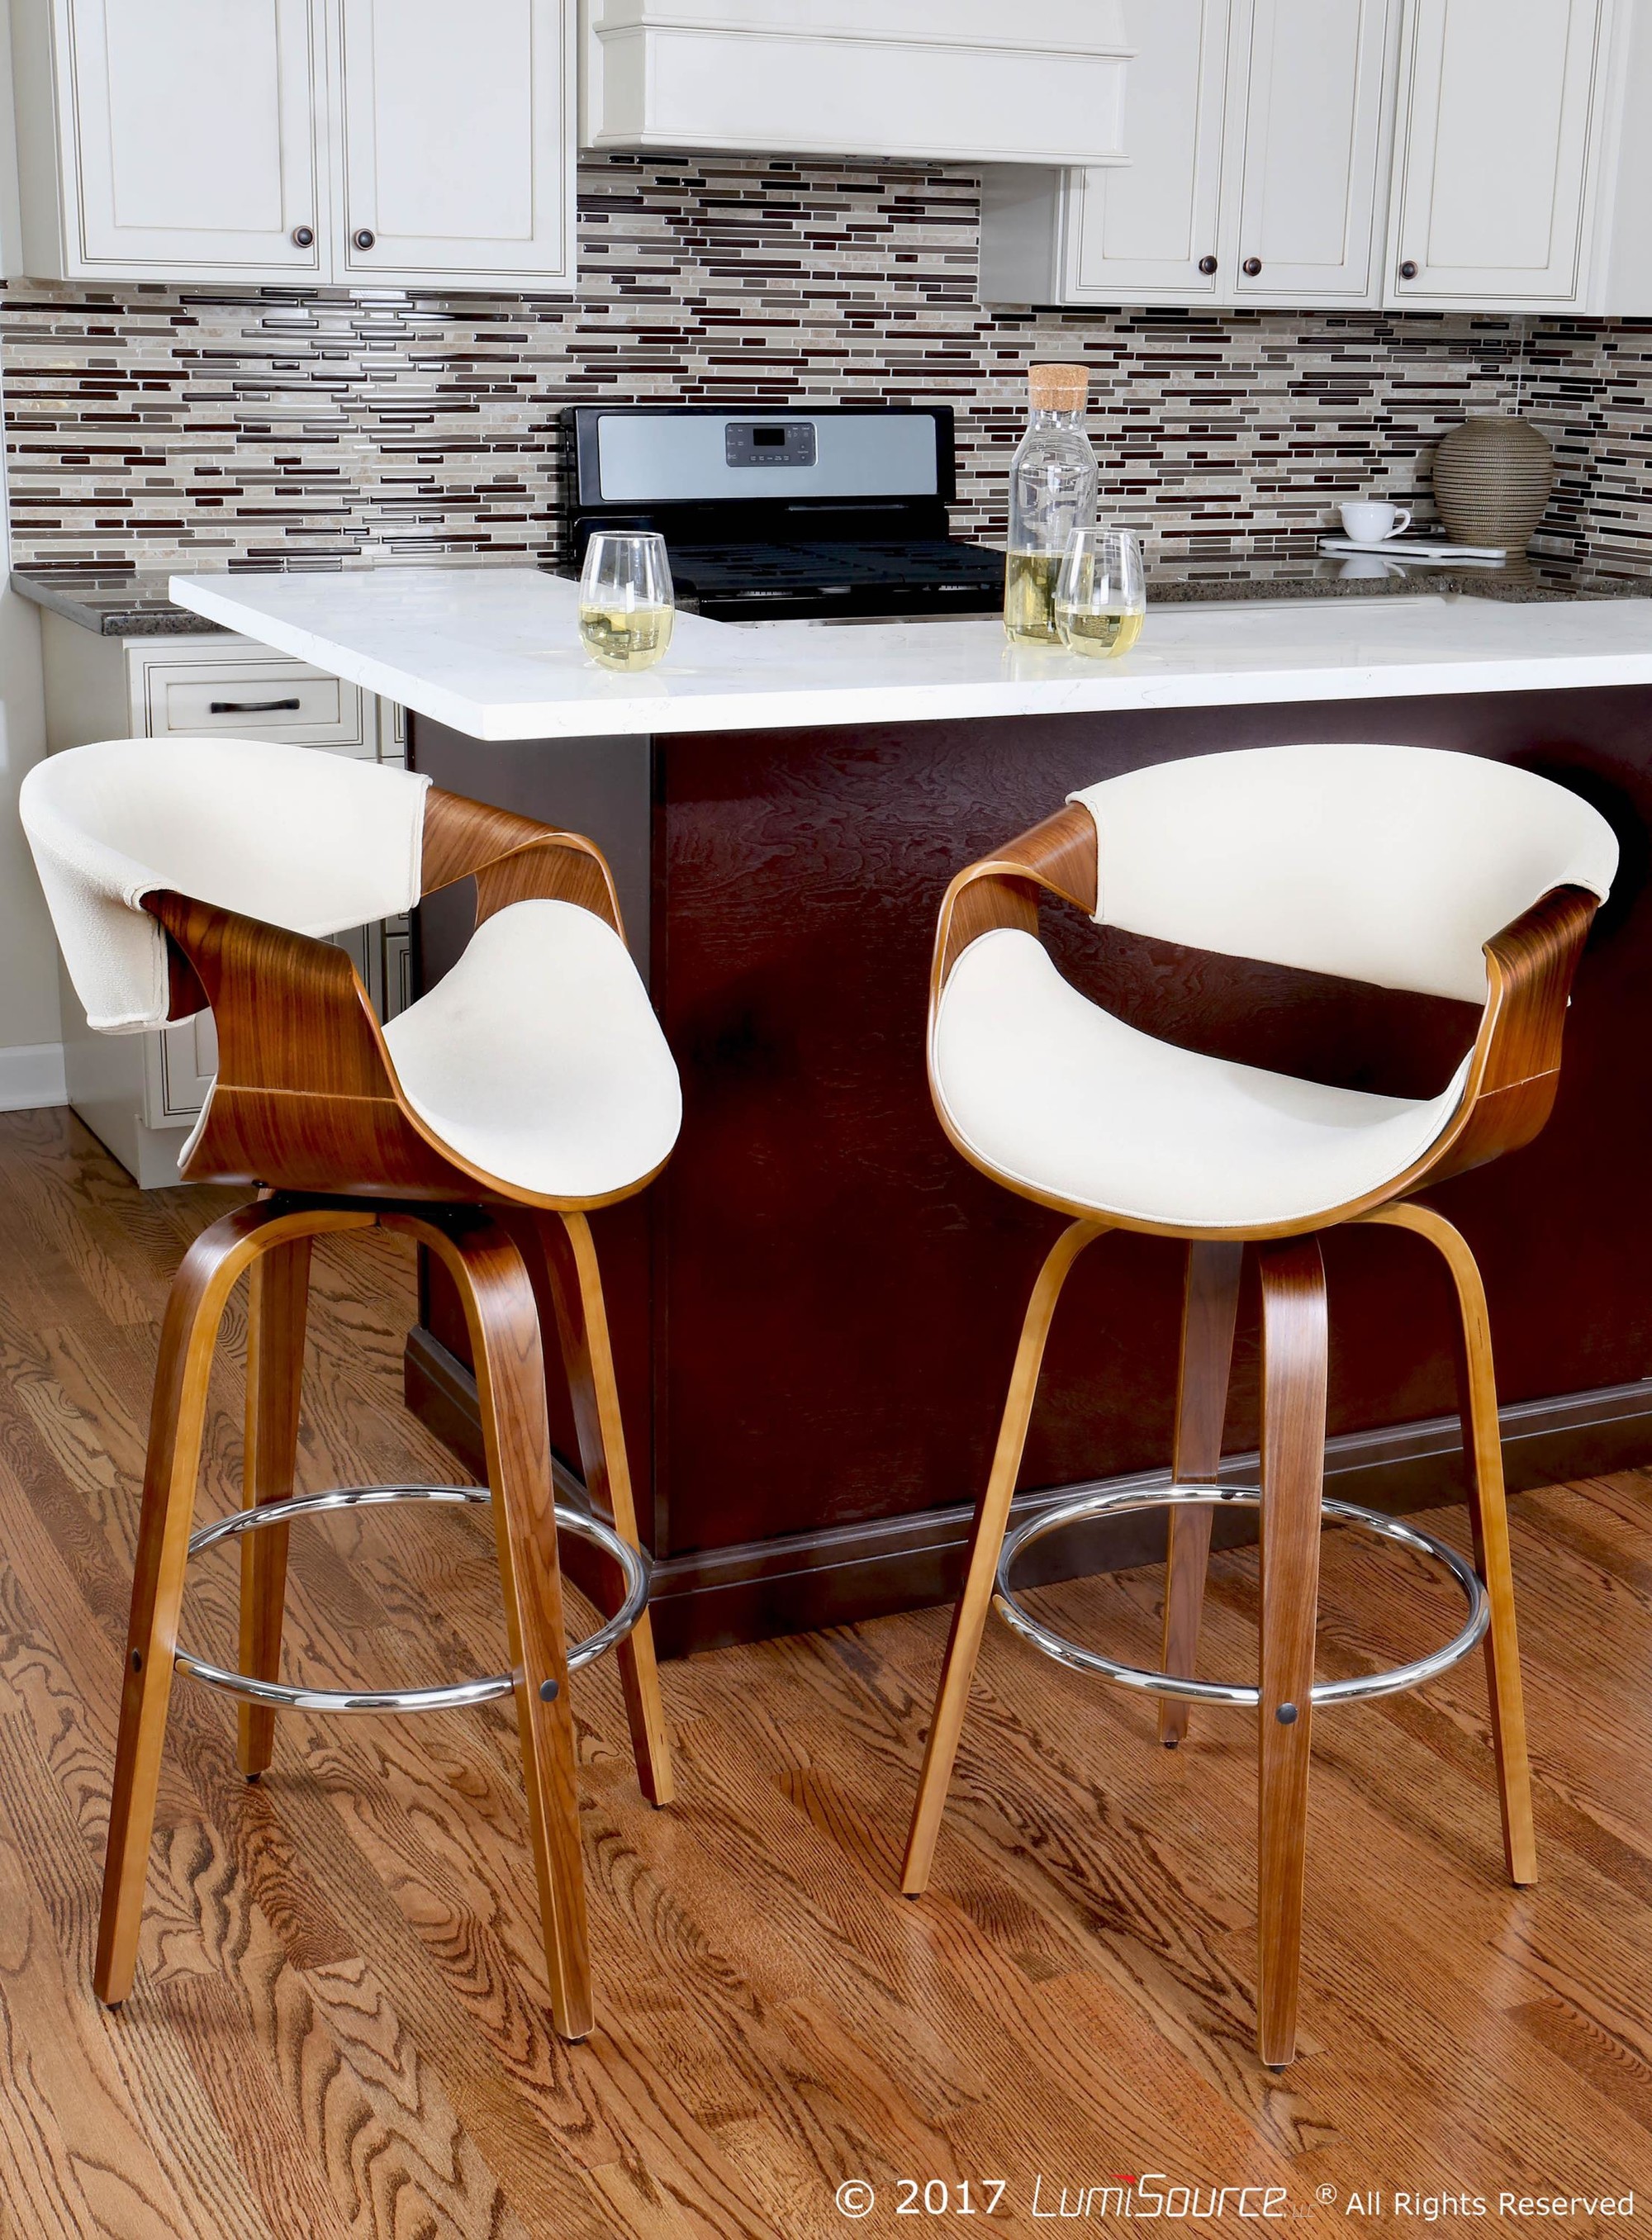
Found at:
(626, 606)
(1101, 594)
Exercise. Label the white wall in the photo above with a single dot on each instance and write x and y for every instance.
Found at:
(32, 1053)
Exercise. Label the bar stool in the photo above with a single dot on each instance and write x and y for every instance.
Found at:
(531, 1085)
(1401, 866)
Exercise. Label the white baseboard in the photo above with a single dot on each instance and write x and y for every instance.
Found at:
(31, 1076)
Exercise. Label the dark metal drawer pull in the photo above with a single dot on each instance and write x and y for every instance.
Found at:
(249, 707)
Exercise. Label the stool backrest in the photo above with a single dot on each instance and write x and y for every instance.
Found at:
(1384, 863)
(312, 841)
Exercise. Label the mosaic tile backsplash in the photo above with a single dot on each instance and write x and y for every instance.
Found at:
(158, 426)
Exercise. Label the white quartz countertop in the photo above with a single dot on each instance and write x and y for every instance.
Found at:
(496, 652)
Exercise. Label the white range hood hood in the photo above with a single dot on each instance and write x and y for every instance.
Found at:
(933, 81)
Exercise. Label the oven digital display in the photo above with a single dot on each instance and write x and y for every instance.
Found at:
(768, 444)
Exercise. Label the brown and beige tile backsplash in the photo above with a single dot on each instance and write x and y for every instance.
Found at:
(159, 427)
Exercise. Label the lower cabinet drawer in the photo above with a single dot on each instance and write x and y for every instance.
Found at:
(280, 700)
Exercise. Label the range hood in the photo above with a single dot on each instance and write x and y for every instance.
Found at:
(928, 81)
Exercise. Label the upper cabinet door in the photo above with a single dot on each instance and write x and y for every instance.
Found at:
(187, 140)
(1147, 231)
(1312, 83)
(458, 141)
(1500, 103)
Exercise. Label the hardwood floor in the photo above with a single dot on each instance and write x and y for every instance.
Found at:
(340, 2026)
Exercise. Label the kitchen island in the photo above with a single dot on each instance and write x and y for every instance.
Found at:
(816, 1304)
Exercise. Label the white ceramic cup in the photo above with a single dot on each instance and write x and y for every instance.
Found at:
(1372, 522)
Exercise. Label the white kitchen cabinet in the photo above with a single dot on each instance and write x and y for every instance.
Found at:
(457, 141)
(1258, 133)
(1443, 155)
(360, 142)
(1501, 180)
(1151, 228)
(169, 139)
(1311, 114)
(142, 1094)
(973, 82)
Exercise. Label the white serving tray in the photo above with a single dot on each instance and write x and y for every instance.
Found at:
(1419, 548)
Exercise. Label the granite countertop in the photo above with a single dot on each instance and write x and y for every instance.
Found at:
(1535, 580)
(121, 603)
(114, 602)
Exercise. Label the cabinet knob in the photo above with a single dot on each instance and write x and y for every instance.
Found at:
(1251, 266)
(364, 238)
(1206, 264)
(1408, 270)
(302, 236)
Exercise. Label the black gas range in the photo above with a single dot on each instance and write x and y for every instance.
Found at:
(818, 511)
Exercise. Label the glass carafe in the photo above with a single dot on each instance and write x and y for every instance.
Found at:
(1052, 491)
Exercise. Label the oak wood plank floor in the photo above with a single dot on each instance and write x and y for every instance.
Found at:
(340, 2025)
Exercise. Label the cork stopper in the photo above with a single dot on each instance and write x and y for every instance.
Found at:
(1058, 388)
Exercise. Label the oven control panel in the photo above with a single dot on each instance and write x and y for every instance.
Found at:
(768, 444)
(646, 457)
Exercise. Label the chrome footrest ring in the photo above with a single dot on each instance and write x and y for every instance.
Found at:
(634, 1567)
(1397, 1678)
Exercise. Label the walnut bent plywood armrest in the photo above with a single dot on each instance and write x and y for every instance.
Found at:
(1512, 1072)
(1514, 1069)
(513, 859)
(1058, 855)
(306, 1093)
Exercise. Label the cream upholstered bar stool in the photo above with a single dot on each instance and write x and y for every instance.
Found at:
(1401, 866)
(529, 1086)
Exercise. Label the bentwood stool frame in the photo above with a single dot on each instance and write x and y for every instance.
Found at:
(1506, 1092)
(308, 1104)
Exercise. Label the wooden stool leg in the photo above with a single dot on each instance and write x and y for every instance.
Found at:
(992, 1515)
(1211, 1303)
(503, 1319)
(1482, 1443)
(588, 1358)
(277, 1295)
(188, 1337)
(1293, 1465)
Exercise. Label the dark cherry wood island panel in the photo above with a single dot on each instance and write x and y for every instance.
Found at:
(816, 1304)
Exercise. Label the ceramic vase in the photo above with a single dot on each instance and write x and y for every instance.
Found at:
(1491, 481)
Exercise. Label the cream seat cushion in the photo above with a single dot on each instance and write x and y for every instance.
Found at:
(538, 1058)
(1055, 1095)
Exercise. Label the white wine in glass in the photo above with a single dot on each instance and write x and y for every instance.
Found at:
(626, 604)
(626, 637)
(1101, 594)
(1105, 630)
(1030, 596)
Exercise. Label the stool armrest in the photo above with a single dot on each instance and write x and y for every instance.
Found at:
(1057, 855)
(1515, 1070)
(290, 1012)
(306, 1096)
(512, 859)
